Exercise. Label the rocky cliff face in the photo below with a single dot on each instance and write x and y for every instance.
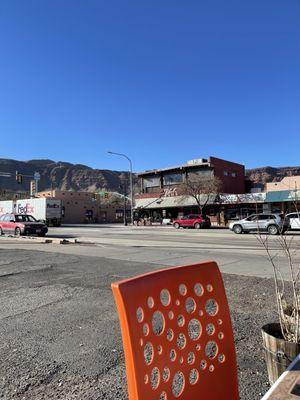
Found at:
(77, 177)
(271, 174)
(60, 175)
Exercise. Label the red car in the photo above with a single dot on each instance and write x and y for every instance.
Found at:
(192, 221)
(19, 224)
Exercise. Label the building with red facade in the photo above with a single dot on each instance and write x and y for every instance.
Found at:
(161, 197)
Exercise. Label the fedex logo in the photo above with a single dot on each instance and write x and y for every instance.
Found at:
(25, 209)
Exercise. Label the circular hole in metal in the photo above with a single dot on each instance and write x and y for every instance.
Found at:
(198, 289)
(159, 350)
(221, 358)
(163, 396)
(211, 349)
(181, 341)
(211, 368)
(209, 288)
(178, 384)
(150, 302)
(170, 335)
(173, 355)
(211, 307)
(141, 342)
(171, 315)
(190, 305)
(177, 303)
(194, 329)
(210, 329)
(166, 374)
(203, 364)
(191, 358)
(155, 378)
(201, 313)
(146, 329)
(158, 323)
(193, 376)
(182, 289)
(221, 335)
(165, 297)
(181, 360)
(198, 347)
(146, 379)
(148, 353)
(180, 320)
(140, 314)
(220, 322)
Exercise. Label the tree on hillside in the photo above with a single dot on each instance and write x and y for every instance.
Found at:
(202, 188)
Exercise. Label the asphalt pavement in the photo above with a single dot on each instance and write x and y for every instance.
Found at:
(59, 331)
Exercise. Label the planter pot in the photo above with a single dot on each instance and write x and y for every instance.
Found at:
(278, 353)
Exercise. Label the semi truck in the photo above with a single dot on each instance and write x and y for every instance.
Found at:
(6, 207)
(47, 210)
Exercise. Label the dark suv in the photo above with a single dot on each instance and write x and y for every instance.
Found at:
(19, 224)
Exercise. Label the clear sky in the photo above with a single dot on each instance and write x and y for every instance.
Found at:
(163, 81)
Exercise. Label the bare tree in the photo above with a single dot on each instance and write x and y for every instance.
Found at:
(201, 187)
(284, 252)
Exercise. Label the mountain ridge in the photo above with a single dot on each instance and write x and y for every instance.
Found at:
(64, 175)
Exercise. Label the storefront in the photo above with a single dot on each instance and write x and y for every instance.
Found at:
(232, 206)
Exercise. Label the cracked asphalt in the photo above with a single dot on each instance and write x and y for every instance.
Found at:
(59, 331)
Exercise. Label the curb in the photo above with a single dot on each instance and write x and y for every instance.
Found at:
(38, 239)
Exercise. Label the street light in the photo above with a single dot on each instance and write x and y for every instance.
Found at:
(131, 180)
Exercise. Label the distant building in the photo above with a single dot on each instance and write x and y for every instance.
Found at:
(287, 183)
(160, 194)
(231, 174)
(88, 207)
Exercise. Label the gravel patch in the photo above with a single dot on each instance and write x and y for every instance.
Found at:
(60, 336)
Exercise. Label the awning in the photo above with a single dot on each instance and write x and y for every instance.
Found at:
(283, 195)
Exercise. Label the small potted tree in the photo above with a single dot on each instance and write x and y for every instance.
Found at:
(281, 340)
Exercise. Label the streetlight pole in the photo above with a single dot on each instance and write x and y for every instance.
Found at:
(131, 180)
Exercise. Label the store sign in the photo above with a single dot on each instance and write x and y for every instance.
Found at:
(241, 198)
(171, 192)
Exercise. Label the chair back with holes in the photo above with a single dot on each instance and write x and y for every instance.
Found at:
(177, 334)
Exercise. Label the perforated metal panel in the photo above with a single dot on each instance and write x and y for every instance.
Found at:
(177, 334)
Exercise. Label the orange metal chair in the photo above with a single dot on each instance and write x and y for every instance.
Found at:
(177, 334)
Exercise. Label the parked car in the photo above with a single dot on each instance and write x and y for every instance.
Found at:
(21, 224)
(271, 223)
(192, 221)
(293, 220)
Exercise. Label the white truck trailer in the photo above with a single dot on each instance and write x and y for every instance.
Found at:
(6, 207)
(47, 210)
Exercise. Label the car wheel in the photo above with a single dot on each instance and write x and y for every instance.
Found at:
(197, 225)
(273, 230)
(17, 232)
(176, 225)
(237, 229)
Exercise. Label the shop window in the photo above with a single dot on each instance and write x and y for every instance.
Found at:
(233, 174)
(225, 173)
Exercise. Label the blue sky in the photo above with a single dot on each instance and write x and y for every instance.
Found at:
(162, 81)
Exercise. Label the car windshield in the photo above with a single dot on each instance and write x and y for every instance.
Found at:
(25, 218)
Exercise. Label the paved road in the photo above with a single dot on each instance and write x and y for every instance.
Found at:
(235, 254)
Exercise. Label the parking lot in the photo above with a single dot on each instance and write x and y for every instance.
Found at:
(60, 336)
